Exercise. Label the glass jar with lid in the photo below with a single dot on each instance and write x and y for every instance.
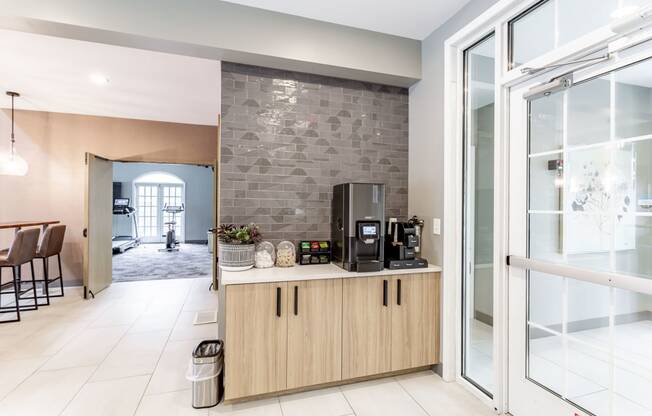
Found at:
(265, 255)
(286, 255)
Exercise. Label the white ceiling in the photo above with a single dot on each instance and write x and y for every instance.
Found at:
(414, 19)
(53, 74)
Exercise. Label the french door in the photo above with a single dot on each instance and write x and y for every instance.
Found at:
(580, 239)
(150, 201)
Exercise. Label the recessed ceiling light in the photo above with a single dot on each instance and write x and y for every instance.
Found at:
(624, 11)
(99, 79)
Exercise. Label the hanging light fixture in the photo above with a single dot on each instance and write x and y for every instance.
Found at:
(11, 163)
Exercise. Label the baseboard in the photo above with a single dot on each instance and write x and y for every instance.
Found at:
(484, 318)
(204, 242)
(593, 323)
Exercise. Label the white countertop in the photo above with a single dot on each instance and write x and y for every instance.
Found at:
(307, 272)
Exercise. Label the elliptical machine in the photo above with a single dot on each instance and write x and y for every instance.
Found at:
(171, 242)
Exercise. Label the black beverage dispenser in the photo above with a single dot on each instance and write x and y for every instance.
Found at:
(357, 229)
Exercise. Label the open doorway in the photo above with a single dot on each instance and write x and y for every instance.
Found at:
(161, 219)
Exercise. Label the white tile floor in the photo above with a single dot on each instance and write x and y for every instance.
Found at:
(588, 375)
(126, 352)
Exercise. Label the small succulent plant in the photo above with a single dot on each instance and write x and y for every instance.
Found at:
(239, 234)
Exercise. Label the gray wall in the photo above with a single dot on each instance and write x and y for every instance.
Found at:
(220, 30)
(199, 194)
(427, 105)
(287, 138)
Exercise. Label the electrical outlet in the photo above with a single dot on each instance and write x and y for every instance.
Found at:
(436, 226)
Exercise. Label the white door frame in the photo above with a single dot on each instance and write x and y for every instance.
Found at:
(494, 19)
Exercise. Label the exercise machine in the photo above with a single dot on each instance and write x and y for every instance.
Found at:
(171, 242)
(122, 243)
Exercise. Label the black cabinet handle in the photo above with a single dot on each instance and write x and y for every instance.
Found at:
(398, 292)
(384, 292)
(278, 302)
(296, 300)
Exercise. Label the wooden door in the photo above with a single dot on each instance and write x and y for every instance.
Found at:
(415, 320)
(256, 339)
(366, 322)
(98, 225)
(314, 332)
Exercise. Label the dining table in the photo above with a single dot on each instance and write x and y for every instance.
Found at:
(18, 225)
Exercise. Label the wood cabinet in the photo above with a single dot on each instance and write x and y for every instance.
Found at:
(366, 326)
(314, 332)
(415, 321)
(256, 339)
(289, 335)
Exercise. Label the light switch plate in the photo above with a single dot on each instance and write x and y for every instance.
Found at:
(436, 226)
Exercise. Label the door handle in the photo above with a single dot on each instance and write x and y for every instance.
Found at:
(85, 232)
(398, 292)
(296, 300)
(278, 302)
(384, 292)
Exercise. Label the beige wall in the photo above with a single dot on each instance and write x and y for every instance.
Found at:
(54, 146)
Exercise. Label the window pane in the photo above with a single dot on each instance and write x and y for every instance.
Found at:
(546, 123)
(589, 112)
(590, 202)
(478, 214)
(555, 23)
(634, 101)
(546, 182)
(533, 34)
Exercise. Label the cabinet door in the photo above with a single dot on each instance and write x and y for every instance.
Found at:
(314, 332)
(256, 339)
(415, 320)
(366, 321)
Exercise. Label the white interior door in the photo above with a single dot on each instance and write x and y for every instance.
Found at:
(97, 273)
(580, 328)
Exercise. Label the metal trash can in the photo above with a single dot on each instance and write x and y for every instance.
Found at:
(205, 372)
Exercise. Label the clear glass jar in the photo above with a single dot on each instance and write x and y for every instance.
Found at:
(286, 254)
(265, 255)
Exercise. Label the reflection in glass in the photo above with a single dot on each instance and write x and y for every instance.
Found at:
(590, 344)
(590, 201)
(477, 360)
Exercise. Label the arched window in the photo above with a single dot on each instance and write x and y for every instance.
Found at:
(152, 192)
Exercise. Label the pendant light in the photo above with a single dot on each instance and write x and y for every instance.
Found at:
(11, 163)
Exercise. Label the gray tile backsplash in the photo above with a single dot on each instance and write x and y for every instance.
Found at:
(288, 137)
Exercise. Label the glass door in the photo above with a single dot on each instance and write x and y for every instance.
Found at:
(150, 200)
(147, 212)
(477, 284)
(172, 195)
(580, 321)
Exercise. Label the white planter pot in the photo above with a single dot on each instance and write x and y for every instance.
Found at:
(236, 257)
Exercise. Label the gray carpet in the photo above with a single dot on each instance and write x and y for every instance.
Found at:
(145, 262)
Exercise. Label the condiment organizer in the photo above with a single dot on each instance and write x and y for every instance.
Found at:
(314, 252)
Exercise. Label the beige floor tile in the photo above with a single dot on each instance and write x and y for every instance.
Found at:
(177, 403)
(108, 398)
(135, 354)
(45, 393)
(90, 347)
(324, 402)
(383, 397)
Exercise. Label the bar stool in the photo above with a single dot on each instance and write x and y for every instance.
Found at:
(21, 252)
(51, 245)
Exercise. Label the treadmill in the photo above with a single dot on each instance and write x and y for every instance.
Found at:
(122, 243)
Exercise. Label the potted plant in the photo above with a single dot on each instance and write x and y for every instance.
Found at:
(237, 246)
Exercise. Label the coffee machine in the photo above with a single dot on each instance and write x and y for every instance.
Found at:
(402, 244)
(357, 229)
